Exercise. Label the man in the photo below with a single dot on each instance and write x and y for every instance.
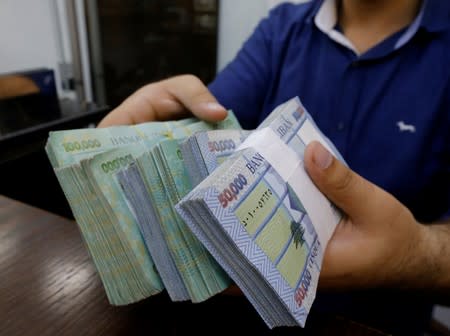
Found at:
(375, 76)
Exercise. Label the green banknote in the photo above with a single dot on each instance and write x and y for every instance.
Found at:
(203, 276)
(86, 163)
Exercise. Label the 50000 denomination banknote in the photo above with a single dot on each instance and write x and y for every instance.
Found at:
(264, 220)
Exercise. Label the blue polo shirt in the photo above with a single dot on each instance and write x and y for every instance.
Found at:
(387, 110)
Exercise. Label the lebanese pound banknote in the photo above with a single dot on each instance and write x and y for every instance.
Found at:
(145, 208)
(70, 146)
(203, 276)
(86, 162)
(138, 274)
(262, 218)
(204, 151)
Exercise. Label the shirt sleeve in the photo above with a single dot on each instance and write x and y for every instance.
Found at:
(242, 85)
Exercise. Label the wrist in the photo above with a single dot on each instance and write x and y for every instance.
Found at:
(410, 260)
(435, 252)
(424, 270)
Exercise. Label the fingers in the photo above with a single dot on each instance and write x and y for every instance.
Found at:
(341, 185)
(137, 108)
(190, 92)
(165, 100)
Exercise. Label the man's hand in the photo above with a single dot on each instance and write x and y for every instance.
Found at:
(378, 243)
(172, 98)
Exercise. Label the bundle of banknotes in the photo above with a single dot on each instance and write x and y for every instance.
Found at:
(203, 152)
(262, 218)
(189, 207)
(139, 246)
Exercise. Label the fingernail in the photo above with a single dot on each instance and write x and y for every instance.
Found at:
(321, 157)
(213, 106)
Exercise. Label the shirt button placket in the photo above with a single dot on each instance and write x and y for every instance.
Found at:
(348, 100)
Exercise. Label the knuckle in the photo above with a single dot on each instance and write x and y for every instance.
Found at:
(344, 181)
(198, 90)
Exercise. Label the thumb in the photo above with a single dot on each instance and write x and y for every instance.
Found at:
(195, 96)
(346, 189)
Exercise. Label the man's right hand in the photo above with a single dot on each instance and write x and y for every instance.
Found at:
(168, 99)
(378, 243)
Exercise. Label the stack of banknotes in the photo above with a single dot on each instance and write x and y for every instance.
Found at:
(139, 246)
(203, 152)
(262, 218)
(189, 207)
(153, 185)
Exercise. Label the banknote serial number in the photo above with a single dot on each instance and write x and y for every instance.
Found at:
(261, 202)
(232, 191)
(117, 163)
(81, 145)
(221, 146)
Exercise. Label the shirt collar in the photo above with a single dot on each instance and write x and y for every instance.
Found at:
(434, 16)
(326, 20)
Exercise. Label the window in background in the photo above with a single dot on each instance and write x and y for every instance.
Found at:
(138, 42)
